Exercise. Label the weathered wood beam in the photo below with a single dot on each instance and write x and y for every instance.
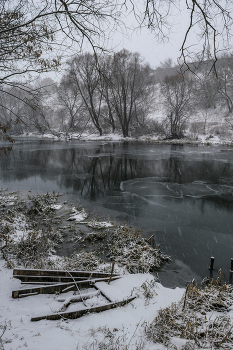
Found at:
(60, 287)
(82, 312)
(65, 273)
(41, 279)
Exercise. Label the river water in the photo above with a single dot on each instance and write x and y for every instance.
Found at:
(183, 193)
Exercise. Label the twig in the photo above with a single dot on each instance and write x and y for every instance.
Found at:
(185, 297)
(226, 336)
(134, 332)
(74, 283)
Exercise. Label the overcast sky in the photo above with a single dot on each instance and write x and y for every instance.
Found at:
(144, 42)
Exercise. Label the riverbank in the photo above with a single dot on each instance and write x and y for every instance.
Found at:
(36, 227)
(32, 228)
(120, 328)
(202, 139)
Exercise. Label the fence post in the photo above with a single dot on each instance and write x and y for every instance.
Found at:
(211, 263)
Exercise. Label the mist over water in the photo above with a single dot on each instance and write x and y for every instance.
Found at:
(184, 193)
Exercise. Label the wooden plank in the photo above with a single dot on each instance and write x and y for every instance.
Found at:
(38, 272)
(41, 279)
(41, 283)
(50, 289)
(27, 295)
(60, 287)
(82, 312)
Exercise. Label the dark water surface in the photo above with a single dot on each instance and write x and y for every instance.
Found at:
(184, 193)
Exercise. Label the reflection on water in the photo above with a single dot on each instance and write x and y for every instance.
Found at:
(184, 193)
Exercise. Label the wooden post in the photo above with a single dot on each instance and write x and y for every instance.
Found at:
(211, 263)
(153, 240)
(231, 270)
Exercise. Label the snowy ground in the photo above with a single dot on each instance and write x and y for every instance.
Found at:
(205, 139)
(212, 126)
(123, 325)
(192, 137)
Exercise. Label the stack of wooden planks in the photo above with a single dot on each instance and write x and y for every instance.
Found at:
(61, 281)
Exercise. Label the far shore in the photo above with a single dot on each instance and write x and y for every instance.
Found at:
(201, 140)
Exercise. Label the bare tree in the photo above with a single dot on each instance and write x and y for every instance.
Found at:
(130, 90)
(177, 91)
(210, 22)
(28, 28)
(30, 31)
(225, 81)
(71, 105)
(206, 93)
(168, 63)
(34, 34)
(84, 74)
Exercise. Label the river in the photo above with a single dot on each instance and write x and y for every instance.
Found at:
(184, 193)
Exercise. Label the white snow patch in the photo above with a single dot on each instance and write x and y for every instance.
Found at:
(78, 215)
(56, 206)
(7, 200)
(99, 225)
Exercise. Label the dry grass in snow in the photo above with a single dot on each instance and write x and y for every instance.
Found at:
(203, 319)
(31, 231)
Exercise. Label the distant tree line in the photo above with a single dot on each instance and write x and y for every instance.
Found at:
(35, 36)
(119, 93)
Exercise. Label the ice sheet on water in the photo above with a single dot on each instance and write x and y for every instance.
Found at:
(151, 189)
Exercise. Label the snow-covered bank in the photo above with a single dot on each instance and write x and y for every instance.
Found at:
(201, 139)
(158, 318)
(201, 127)
(123, 326)
(26, 243)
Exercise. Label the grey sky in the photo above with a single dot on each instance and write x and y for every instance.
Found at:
(144, 42)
